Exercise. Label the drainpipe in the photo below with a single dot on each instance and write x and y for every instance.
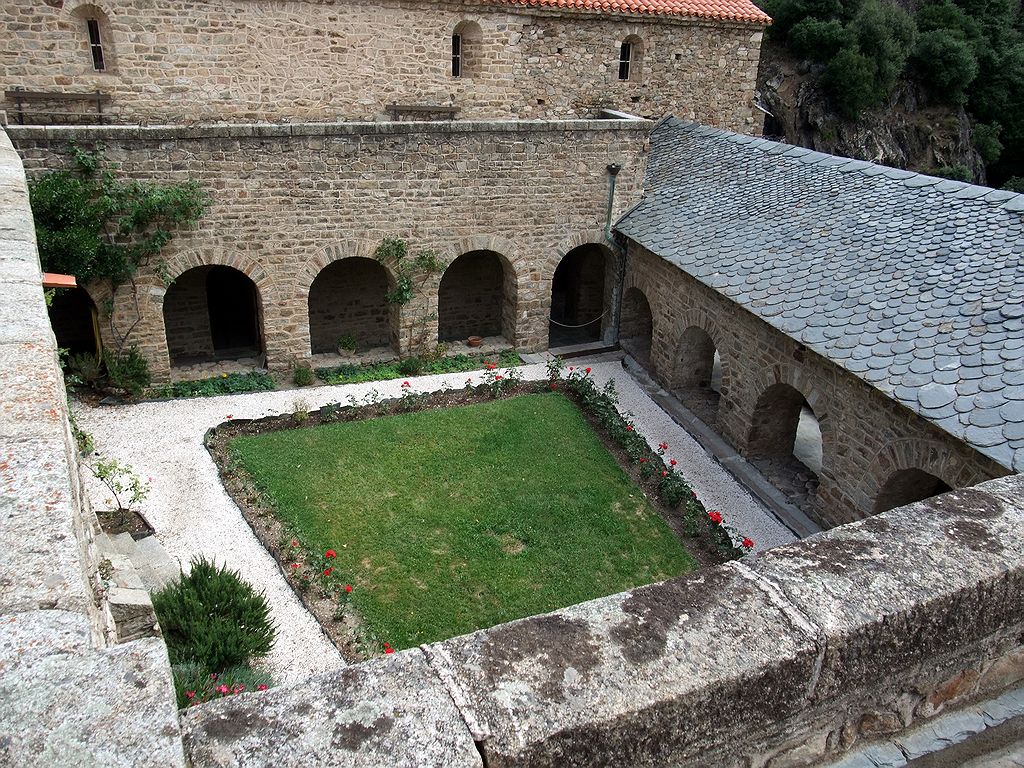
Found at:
(613, 172)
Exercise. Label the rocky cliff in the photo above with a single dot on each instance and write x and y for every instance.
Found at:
(906, 133)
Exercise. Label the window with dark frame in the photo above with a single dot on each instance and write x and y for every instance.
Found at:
(456, 55)
(625, 60)
(95, 45)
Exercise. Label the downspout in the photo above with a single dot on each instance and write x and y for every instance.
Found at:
(613, 172)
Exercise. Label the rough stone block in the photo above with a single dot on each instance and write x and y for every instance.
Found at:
(392, 711)
(880, 614)
(23, 315)
(33, 390)
(132, 613)
(84, 707)
(40, 556)
(655, 676)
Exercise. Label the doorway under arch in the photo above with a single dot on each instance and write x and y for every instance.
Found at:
(212, 313)
(580, 300)
(697, 378)
(477, 297)
(348, 305)
(907, 486)
(73, 317)
(636, 328)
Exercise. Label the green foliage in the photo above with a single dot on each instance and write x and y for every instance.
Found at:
(225, 384)
(194, 684)
(127, 371)
(95, 226)
(954, 172)
(347, 342)
(394, 252)
(212, 617)
(124, 485)
(819, 40)
(356, 374)
(945, 65)
(302, 375)
(83, 439)
(849, 82)
(410, 366)
(1014, 184)
(85, 368)
(986, 141)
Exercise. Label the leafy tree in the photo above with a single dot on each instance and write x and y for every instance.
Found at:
(819, 40)
(945, 65)
(986, 141)
(849, 81)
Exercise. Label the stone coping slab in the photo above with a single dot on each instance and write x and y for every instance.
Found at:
(391, 711)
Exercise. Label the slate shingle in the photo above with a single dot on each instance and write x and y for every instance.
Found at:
(912, 283)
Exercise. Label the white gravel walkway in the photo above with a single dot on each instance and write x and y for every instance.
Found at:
(193, 514)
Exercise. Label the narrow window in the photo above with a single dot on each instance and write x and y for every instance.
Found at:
(456, 55)
(625, 60)
(95, 44)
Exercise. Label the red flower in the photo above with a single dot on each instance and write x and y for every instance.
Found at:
(348, 587)
(228, 416)
(629, 427)
(672, 462)
(223, 690)
(261, 687)
(328, 571)
(553, 386)
(406, 384)
(748, 543)
(497, 378)
(643, 461)
(571, 368)
(295, 543)
(388, 648)
(213, 675)
(490, 366)
(190, 695)
(295, 565)
(330, 553)
(664, 473)
(716, 517)
(588, 370)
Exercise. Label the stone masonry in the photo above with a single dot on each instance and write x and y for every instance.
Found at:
(183, 62)
(290, 200)
(866, 436)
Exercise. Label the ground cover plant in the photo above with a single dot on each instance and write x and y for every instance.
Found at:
(397, 369)
(449, 520)
(225, 384)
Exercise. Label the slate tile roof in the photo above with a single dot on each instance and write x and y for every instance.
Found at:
(729, 10)
(912, 283)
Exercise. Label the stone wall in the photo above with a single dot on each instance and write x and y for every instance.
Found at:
(289, 200)
(349, 298)
(67, 695)
(298, 60)
(866, 436)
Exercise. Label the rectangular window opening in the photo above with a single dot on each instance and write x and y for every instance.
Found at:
(456, 55)
(95, 45)
(625, 59)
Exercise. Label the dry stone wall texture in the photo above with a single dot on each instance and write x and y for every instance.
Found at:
(295, 60)
(289, 200)
(866, 436)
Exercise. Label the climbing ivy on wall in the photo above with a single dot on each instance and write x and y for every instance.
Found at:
(96, 226)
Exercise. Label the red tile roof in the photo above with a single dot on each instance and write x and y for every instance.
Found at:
(731, 10)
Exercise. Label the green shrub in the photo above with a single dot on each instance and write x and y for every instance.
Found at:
(818, 40)
(303, 375)
(954, 172)
(849, 81)
(128, 371)
(1014, 184)
(944, 65)
(86, 368)
(214, 618)
(410, 366)
(194, 684)
(986, 141)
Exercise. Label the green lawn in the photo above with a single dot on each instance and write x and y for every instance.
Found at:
(452, 520)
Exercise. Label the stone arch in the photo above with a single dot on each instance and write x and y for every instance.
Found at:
(910, 470)
(636, 327)
(180, 263)
(581, 295)
(631, 69)
(477, 295)
(310, 268)
(347, 302)
(698, 367)
(213, 312)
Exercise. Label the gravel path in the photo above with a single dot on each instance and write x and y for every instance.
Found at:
(193, 514)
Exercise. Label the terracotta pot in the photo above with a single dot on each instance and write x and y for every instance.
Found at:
(475, 341)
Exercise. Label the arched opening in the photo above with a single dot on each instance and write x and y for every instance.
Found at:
(579, 299)
(631, 53)
(96, 38)
(907, 486)
(698, 374)
(636, 327)
(348, 308)
(74, 321)
(785, 443)
(477, 297)
(466, 54)
(211, 315)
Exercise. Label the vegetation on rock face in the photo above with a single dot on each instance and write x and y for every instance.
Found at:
(960, 52)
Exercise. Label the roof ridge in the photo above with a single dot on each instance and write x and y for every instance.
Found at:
(1001, 198)
(744, 11)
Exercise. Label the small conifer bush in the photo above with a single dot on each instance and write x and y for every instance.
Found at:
(214, 618)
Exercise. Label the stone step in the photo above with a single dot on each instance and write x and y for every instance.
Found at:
(155, 566)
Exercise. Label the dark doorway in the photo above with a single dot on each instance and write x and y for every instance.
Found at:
(73, 317)
(578, 301)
